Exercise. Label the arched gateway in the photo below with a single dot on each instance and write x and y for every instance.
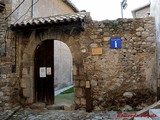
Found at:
(36, 58)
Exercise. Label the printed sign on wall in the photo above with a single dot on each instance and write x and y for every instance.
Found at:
(42, 72)
(49, 72)
(96, 51)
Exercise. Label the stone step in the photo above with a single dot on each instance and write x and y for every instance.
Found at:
(142, 118)
(155, 112)
(69, 107)
(55, 107)
(44, 106)
(38, 106)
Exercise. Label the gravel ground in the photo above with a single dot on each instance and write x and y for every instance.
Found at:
(33, 114)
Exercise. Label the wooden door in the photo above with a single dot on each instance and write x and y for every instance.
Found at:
(44, 72)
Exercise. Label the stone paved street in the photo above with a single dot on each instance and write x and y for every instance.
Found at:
(29, 114)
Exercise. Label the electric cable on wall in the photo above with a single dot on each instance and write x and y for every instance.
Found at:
(27, 11)
(14, 9)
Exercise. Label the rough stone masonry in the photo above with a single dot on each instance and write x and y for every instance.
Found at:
(120, 78)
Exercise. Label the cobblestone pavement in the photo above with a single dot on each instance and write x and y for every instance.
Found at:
(29, 114)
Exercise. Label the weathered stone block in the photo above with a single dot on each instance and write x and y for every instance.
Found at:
(26, 92)
(38, 106)
(93, 83)
(100, 30)
(145, 34)
(6, 99)
(93, 36)
(1, 94)
(128, 94)
(138, 34)
(55, 107)
(23, 83)
(79, 92)
(140, 29)
(83, 101)
(78, 77)
(77, 101)
(106, 39)
(76, 83)
(127, 108)
(93, 45)
(69, 107)
(82, 83)
(25, 71)
(150, 39)
(98, 40)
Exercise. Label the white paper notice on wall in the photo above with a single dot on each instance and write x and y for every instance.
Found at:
(49, 72)
(42, 72)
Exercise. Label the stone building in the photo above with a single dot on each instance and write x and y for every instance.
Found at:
(114, 61)
(141, 12)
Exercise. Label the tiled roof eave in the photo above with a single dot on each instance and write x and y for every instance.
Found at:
(68, 18)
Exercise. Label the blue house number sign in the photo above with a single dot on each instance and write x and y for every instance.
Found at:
(115, 43)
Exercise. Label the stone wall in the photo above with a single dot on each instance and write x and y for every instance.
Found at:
(9, 87)
(120, 77)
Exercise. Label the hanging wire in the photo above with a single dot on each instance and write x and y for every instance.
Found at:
(14, 10)
(27, 11)
(5, 36)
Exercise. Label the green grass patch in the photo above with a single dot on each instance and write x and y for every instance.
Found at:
(62, 99)
(70, 90)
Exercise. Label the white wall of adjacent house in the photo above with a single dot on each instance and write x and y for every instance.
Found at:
(63, 65)
(155, 12)
(142, 13)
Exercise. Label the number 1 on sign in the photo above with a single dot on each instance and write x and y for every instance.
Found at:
(116, 45)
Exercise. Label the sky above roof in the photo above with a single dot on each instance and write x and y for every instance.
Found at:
(108, 9)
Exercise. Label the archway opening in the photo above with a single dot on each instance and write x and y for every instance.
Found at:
(63, 68)
(53, 73)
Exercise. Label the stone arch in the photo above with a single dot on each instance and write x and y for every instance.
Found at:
(27, 81)
(63, 65)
